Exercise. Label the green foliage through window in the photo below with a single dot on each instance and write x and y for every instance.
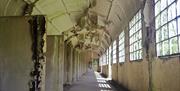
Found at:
(135, 35)
(167, 24)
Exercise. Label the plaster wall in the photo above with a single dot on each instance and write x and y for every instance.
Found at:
(15, 54)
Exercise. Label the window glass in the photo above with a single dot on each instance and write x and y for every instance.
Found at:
(158, 21)
(164, 30)
(110, 51)
(158, 35)
(170, 1)
(172, 29)
(159, 49)
(178, 7)
(114, 52)
(178, 25)
(165, 46)
(163, 4)
(173, 45)
(167, 25)
(122, 48)
(135, 41)
(164, 16)
(156, 1)
(157, 8)
(172, 12)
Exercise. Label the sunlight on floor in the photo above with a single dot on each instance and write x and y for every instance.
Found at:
(102, 83)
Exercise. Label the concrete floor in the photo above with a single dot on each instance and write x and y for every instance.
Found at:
(91, 81)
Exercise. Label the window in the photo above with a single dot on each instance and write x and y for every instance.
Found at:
(114, 52)
(110, 51)
(135, 35)
(100, 61)
(104, 59)
(167, 25)
(121, 48)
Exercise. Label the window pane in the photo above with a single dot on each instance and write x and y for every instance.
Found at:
(166, 47)
(132, 39)
(159, 49)
(139, 14)
(173, 45)
(158, 35)
(131, 48)
(136, 17)
(164, 17)
(121, 47)
(172, 29)
(135, 55)
(163, 4)
(179, 43)
(178, 7)
(172, 12)
(157, 8)
(158, 21)
(167, 24)
(179, 25)
(156, 1)
(140, 34)
(123, 58)
(133, 21)
(135, 36)
(140, 54)
(130, 24)
(135, 46)
(170, 1)
(140, 44)
(164, 32)
(131, 32)
(137, 26)
(131, 56)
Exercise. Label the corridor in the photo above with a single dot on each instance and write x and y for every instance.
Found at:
(89, 45)
(91, 81)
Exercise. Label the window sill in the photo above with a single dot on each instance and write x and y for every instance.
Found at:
(121, 63)
(138, 60)
(169, 56)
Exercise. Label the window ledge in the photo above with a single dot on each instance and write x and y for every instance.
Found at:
(169, 56)
(138, 60)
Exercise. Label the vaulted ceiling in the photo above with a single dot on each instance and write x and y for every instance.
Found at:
(87, 24)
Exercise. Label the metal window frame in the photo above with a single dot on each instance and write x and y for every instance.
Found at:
(121, 44)
(130, 36)
(167, 23)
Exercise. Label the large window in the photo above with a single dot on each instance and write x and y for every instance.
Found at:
(104, 59)
(100, 61)
(167, 24)
(121, 48)
(114, 51)
(135, 35)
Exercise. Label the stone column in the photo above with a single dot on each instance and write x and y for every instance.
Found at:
(61, 63)
(55, 63)
(78, 66)
(74, 64)
(69, 64)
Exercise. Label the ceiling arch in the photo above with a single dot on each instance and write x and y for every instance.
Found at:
(63, 16)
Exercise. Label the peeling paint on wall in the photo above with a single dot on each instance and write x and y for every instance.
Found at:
(38, 74)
